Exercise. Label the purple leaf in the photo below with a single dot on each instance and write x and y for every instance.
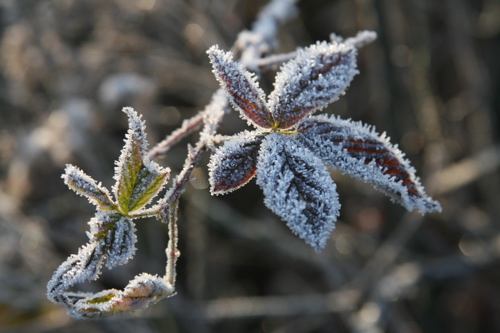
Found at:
(241, 86)
(316, 77)
(234, 163)
(298, 188)
(359, 151)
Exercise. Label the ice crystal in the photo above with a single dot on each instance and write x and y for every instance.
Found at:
(288, 150)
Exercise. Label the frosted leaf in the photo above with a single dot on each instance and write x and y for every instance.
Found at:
(147, 286)
(234, 163)
(317, 76)
(85, 185)
(143, 290)
(130, 162)
(138, 179)
(150, 180)
(84, 266)
(116, 234)
(241, 86)
(298, 188)
(359, 151)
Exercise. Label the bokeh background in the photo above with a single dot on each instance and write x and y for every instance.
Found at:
(431, 81)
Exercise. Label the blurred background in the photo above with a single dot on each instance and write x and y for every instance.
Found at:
(431, 81)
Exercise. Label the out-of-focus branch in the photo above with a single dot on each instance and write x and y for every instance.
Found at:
(188, 127)
(466, 171)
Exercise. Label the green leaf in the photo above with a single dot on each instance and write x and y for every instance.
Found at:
(138, 179)
(130, 162)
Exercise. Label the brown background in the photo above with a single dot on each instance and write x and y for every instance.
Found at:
(431, 81)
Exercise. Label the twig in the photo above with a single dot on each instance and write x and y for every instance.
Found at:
(188, 127)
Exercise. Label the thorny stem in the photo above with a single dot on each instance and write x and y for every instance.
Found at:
(194, 157)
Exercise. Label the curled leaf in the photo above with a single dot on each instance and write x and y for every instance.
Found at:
(316, 77)
(359, 151)
(298, 188)
(84, 266)
(241, 86)
(143, 290)
(234, 163)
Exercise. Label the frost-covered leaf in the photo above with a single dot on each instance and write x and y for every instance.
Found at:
(84, 266)
(143, 290)
(116, 234)
(241, 86)
(130, 162)
(316, 77)
(359, 151)
(298, 188)
(149, 182)
(138, 179)
(234, 163)
(84, 185)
